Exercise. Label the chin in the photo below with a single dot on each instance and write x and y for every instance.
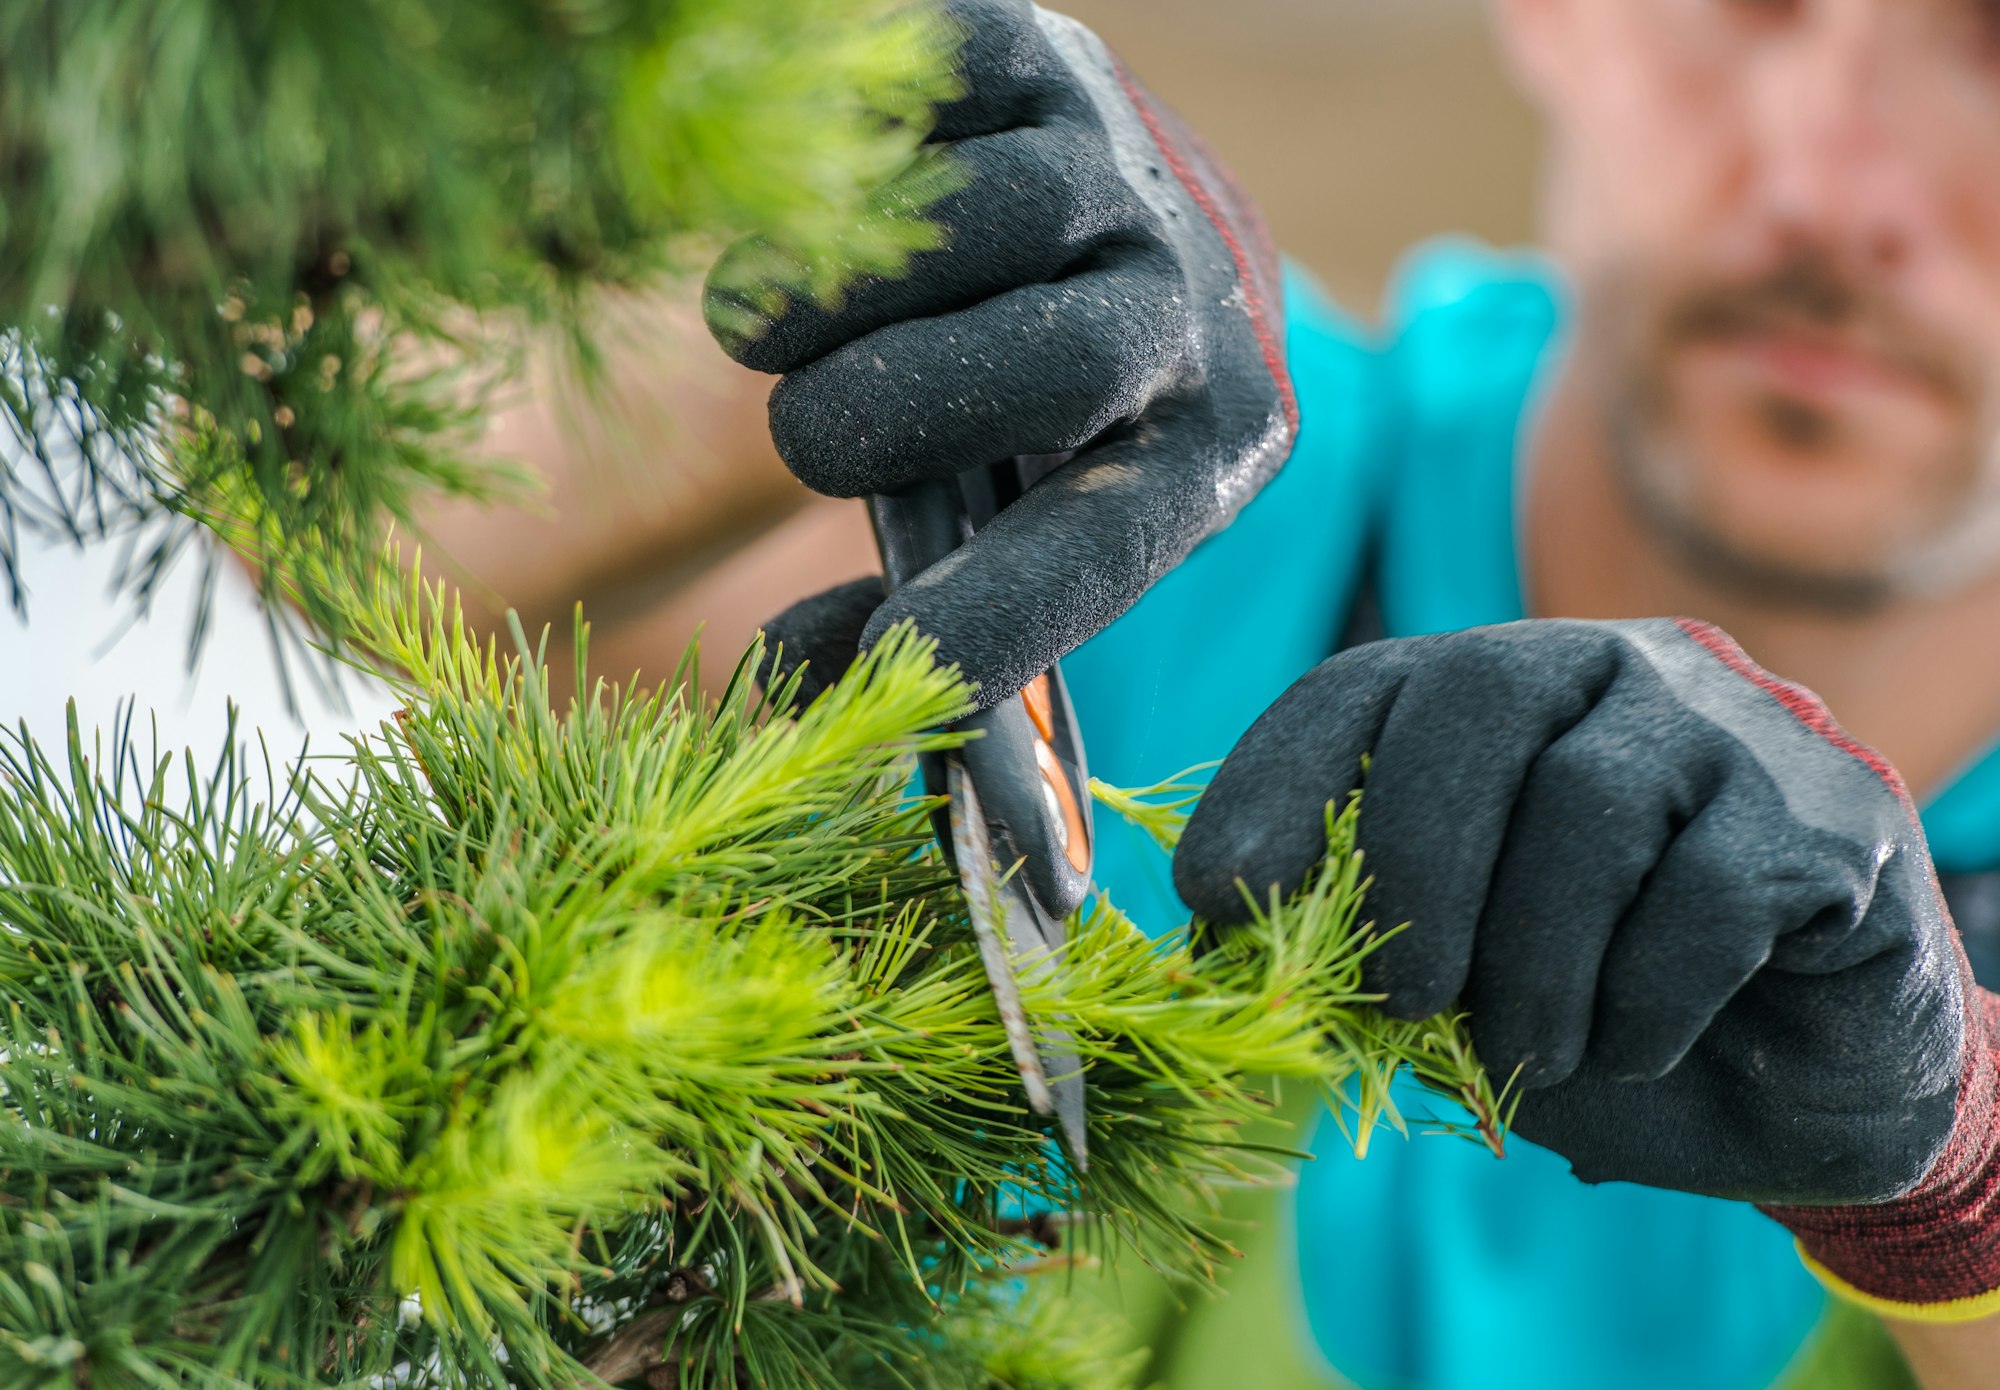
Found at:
(1812, 524)
(1818, 488)
(1824, 542)
(1773, 527)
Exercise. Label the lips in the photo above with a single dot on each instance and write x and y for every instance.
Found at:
(1825, 367)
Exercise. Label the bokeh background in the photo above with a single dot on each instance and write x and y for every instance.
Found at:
(1359, 126)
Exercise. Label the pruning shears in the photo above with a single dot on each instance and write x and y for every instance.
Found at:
(1017, 825)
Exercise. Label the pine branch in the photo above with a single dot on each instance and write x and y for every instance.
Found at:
(540, 1043)
(289, 253)
(1316, 942)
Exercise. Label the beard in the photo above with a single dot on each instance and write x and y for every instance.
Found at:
(1944, 533)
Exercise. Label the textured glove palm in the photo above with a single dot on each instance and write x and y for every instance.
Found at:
(1104, 290)
(1698, 917)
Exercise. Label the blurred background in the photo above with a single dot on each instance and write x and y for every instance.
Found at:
(1359, 126)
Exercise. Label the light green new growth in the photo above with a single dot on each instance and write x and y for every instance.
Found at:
(1319, 937)
(644, 1039)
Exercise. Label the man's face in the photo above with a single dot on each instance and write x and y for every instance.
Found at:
(1783, 218)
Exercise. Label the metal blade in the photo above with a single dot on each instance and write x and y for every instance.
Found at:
(970, 847)
(1013, 932)
(1060, 1064)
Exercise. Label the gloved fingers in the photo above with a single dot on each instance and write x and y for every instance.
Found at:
(1443, 779)
(1867, 897)
(1039, 370)
(1695, 936)
(1748, 883)
(1062, 561)
(1261, 822)
(1036, 205)
(822, 634)
(1595, 814)
(1012, 75)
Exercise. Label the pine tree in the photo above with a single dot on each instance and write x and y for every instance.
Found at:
(642, 1041)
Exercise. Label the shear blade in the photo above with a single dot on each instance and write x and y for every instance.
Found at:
(1014, 931)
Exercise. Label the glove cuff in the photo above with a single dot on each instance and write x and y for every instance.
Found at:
(1933, 1254)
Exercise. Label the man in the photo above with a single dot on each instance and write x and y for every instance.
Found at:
(1695, 916)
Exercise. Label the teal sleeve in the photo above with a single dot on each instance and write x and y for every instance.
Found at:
(1477, 335)
(1180, 676)
(1963, 821)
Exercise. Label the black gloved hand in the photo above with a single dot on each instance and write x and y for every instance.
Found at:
(1700, 918)
(1105, 290)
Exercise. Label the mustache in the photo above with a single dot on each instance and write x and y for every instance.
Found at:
(1809, 294)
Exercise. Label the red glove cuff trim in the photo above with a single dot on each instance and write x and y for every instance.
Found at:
(1261, 317)
(1799, 702)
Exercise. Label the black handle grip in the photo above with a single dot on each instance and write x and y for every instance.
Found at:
(917, 527)
(914, 529)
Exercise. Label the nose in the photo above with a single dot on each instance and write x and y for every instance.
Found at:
(1829, 166)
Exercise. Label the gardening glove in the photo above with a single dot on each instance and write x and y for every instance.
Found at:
(1698, 918)
(1104, 289)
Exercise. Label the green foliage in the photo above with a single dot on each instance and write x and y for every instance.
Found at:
(1310, 950)
(648, 1038)
(292, 247)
